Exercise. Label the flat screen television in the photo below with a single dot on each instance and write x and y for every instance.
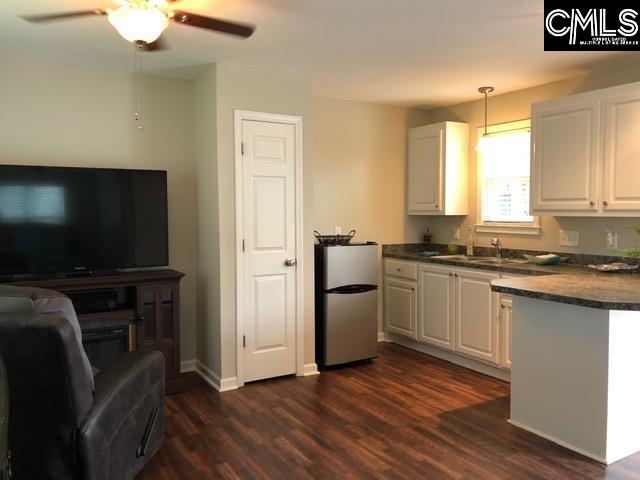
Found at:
(81, 220)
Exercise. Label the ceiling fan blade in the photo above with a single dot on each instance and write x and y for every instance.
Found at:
(209, 23)
(63, 16)
(159, 45)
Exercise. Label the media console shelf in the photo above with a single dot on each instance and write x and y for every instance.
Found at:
(148, 300)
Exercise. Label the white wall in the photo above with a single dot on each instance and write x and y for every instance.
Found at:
(70, 116)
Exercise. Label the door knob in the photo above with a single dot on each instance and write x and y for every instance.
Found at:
(290, 262)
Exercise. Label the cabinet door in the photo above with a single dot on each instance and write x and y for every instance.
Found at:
(506, 319)
(435, 306)
(157, 313)
(425, 170)
(477, 315)
(566, 156)
(622, 154)
(400, 307)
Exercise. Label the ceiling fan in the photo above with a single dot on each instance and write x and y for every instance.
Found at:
(142, 21)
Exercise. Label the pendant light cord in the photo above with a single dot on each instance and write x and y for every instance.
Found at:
(486, 116)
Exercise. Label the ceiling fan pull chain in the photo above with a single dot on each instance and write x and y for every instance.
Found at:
(137, 116)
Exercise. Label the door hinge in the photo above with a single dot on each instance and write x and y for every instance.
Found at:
(243, 242)
(244, 341)
(242, 148)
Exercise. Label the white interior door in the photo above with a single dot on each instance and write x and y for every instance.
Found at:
(269, 225)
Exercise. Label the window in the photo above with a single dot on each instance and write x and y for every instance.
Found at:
(503, 177)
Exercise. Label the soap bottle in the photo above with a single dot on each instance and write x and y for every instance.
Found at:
(470, 243)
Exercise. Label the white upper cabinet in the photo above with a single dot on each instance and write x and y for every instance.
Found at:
(437, 166)
(621, 192)
(565, 137)
(586, 152)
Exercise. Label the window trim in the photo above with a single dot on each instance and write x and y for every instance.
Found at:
(516, 228)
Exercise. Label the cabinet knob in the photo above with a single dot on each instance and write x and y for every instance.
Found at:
(592, 203)
(502, 306)
(437, 206)
(605, 203)
(140, 318)
(398, 269)
(456, 275)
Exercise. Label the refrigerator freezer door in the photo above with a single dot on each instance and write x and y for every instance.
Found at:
(354, 265)
(351, 327)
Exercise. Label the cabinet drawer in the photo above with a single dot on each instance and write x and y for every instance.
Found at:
(401, 268)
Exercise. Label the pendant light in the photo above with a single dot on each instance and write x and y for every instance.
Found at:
(482, 142)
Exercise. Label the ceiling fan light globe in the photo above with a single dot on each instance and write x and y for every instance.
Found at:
(139, 24)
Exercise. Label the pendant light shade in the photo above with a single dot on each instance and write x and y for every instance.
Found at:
(484, 139)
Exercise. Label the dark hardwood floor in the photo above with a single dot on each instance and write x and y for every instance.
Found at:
(405, 415)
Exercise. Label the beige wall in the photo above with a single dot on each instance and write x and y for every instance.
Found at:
(359, 160)
(208, 253)
(261, 89)
(517, 106)
(68, 116)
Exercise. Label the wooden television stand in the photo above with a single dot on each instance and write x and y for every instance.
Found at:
(149, 301)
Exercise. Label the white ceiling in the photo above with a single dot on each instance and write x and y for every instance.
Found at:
(405, 52)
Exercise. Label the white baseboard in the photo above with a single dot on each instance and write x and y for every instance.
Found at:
(558, 442)
(450, 357)
(188, 365)
(382, 337)
(212, 378)
(310, 369)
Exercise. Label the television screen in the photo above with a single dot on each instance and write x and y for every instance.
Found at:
(56, 219)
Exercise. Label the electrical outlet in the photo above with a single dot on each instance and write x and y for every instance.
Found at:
(337, 230)
(456, 233)
(569, 238)
(612, 239)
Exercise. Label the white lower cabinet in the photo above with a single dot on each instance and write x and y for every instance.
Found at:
(436, 288)
(477, 315)
(451, 308)
(506, 318)
(400, 306)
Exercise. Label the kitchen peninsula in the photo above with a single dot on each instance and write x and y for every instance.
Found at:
(575, 360)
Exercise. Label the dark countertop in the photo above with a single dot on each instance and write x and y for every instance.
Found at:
(604, 291)
(565, 283)
(403, 252)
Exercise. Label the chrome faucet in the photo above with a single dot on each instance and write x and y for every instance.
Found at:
(496, 242)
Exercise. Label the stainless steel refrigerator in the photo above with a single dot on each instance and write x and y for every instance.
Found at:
(346, 303)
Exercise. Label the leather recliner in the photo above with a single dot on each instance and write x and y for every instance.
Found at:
(63, 423)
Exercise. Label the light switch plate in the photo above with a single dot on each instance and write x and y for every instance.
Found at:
(612, 239)
(569, 238)
(456, 233)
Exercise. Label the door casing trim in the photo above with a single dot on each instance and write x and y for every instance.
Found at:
(296, 121)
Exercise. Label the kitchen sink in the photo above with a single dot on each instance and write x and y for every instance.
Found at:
(496, 261)
(481, 260)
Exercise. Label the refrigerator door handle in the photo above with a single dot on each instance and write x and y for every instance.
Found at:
(352, 289)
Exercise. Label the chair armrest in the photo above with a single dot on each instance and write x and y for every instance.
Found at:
(128, 411)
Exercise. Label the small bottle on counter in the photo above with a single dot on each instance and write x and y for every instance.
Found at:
(470, 243)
